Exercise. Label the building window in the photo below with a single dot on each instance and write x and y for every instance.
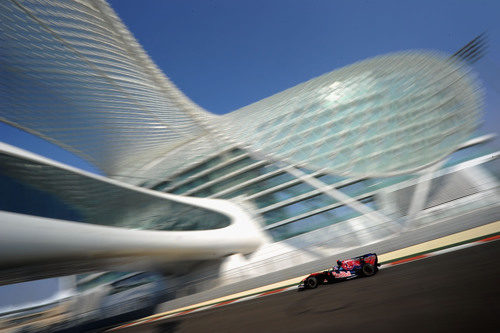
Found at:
(329, 217)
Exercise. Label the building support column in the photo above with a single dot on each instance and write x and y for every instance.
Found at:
(421, 193)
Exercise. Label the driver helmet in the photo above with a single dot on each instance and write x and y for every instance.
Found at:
(339, 263)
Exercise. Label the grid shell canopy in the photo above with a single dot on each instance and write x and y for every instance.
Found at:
(388, 115)
(71, 73)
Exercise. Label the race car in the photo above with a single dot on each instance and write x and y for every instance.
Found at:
(365, 265)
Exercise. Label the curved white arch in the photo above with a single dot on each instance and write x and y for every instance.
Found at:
(26, 239)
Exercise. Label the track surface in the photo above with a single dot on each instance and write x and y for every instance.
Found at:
(453, 292)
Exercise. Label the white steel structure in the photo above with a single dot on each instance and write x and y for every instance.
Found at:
(124, 224)
(323, 154)
(74, 75)
(93, 90)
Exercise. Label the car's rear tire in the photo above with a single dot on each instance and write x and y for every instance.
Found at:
(368, 270)
(312, 282)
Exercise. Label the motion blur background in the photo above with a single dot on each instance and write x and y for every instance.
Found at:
(225, 55)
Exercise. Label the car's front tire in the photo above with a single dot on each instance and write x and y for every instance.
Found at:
(312, 282)
(368, 270)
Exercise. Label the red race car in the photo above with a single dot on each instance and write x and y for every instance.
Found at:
(365, 265)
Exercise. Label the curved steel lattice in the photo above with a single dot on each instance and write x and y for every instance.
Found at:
(383, 116)
(72, 73)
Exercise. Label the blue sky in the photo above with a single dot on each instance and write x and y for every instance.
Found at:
(227, 54)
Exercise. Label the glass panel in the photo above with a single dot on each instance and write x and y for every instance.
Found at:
(184, 219)
(261, 186)
(202, 167)
(228, 183)
(317, 221)
(374, 184)
(161, 186)
(213, 175)
(354, 189)
(21, 198)
(209, 164)
(48, 191)
(298, 208)
(330, 179)
(183, 188)
(282, 195)
(230, 168)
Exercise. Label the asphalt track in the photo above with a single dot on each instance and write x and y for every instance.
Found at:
(453, 292)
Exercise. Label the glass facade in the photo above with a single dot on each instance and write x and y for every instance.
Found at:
(316, 221)
(288, 205)
(71, 72)
(34, 188)
(384, 116)
(261, 184)
(14, 196)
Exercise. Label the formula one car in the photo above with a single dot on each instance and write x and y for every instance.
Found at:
(365, 265)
